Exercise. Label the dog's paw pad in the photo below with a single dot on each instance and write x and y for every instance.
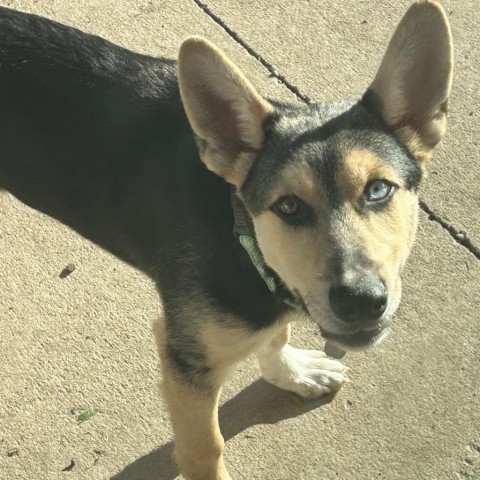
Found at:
(308, 373)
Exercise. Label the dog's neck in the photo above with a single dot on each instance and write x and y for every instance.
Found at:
(244, 230)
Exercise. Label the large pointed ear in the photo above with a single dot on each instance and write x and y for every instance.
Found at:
(411, 89)
(224, 110)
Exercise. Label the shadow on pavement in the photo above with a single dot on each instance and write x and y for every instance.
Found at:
(259, 403)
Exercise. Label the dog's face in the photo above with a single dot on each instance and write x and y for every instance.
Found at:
(331, 189)
(333, 200)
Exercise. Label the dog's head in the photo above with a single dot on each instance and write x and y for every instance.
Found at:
(331, 189)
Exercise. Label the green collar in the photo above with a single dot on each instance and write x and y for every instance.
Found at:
(245, 232)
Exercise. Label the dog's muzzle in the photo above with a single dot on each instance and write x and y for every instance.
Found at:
(359, 303)
(359, 307)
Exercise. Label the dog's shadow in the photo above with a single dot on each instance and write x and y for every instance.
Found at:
(259, 403)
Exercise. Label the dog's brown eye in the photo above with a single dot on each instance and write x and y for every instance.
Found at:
(288, 205)
(292, 210)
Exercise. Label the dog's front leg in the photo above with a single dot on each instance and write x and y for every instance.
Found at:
(193, 408)
(309, 373)
(198, 441)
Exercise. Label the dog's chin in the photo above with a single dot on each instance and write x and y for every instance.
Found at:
(358, 341)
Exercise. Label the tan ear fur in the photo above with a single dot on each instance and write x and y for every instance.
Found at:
(411, 88)
(223, 108)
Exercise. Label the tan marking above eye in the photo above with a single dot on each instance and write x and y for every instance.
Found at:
(297, 179)
(359, 167)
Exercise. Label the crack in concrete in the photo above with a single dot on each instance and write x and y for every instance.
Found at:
(271, 69)
(460, 237)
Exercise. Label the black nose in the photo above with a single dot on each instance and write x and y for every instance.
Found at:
(358, 303)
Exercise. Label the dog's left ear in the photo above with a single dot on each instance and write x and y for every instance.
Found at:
(411, 89)
(224, 110)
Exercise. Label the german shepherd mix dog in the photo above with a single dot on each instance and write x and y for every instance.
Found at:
(245, 211)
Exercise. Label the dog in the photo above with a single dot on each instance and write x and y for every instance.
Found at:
(247, 212)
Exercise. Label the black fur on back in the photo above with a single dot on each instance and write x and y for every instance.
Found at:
(95, 136)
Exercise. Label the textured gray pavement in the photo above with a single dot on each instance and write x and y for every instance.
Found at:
(412, 410)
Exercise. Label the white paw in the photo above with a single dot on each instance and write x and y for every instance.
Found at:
(308, 373)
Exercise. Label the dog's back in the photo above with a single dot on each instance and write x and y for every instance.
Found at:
(76, 111)
(96, 136)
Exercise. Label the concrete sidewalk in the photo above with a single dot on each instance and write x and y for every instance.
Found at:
(412, 410)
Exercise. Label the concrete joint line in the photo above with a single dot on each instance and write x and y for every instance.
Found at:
(460, 237)
(251, 52)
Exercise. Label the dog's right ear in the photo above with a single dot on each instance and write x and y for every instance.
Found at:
(224, 110)
(410, 91)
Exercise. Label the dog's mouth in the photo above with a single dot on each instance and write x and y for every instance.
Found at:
(350, 337)
(360, 340)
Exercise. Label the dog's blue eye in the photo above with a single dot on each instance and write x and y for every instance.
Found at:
(378, 190)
